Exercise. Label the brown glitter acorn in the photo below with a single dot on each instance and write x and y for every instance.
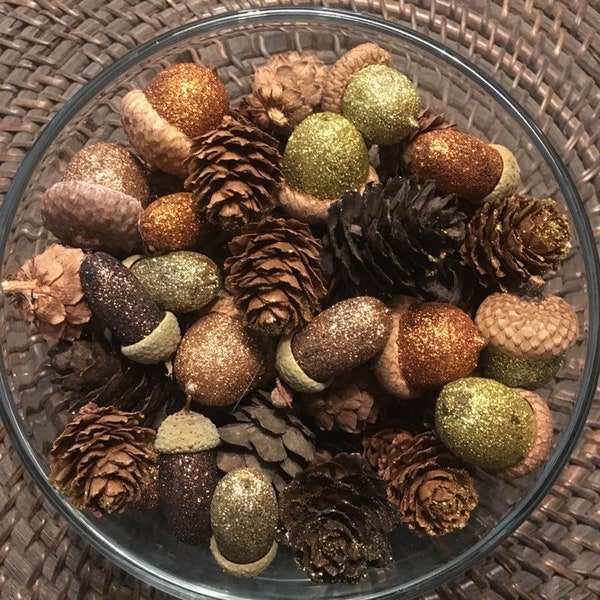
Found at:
(187, 474)
(180, 103)
(97, 204)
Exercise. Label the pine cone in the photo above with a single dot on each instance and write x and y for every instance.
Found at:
(391, 163)
(47, 292)
(285, 90)
(433, 494)
(103, 460)
(336, 519)
(349, 404)
(234, 171)
(96, 371)
(399, 239)
(260, 436)
(376, 446)
(511, 239)
(274, 273)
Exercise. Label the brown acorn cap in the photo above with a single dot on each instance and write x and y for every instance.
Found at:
(243, 570)
(159, 143)
(540, 450)
(186, 431)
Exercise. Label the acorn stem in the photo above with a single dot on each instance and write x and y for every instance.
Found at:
(15, 286)
(533, 288)
(188, 403)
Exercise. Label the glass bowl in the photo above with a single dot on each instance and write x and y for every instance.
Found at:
(233, 44)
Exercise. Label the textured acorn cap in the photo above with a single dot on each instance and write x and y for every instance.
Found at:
(159, 143)
(542, 442)
(291, 372)
(159, 345)
(510, 179)
(526, 327)
(243, 570)
(186, 431)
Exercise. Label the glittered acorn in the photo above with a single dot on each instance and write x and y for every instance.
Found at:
(179, 282)
(148, 334)
(244, 515)
(180, 103)
(187, 474)
(97, 203)
(337, 340)
(485, 423)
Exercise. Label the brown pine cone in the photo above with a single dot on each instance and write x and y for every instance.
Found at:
(511, 239)
(234, 171)
(274, 440)
(274, 273)
(285, 90)
(375, 446)
(103, 460)
(433, 494)
(47, 292)
(336, 519)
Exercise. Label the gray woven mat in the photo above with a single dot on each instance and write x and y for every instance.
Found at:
(547, 53)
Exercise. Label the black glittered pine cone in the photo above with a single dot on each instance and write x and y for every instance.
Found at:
(272, 439)
(336, 519)
(274, 273)
(234, 171)
(511, 239)
(399, 239)
(94, 370)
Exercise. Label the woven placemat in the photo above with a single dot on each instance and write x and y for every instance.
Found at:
(546, 53)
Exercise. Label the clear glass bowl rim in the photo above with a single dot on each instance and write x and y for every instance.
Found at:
(375, 24)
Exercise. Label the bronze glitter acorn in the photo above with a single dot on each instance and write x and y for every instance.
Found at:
(97, 204)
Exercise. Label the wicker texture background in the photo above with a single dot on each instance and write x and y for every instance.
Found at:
(547, 53)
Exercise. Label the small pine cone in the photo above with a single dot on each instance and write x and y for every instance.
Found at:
(285, 90)
(349, 404)
(511, 239)
(94, 370)
(336, 519)
(47, 292)
(103, 460)
(274, 273)
(274, 440)
(234, 172)
(433, 494)
(375, 446)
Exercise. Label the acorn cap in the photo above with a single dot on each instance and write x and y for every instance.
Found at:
(159, 345)
(159, 143)
(510, 179)
(92, 216)
(345, 67)
(291, 372)
(186, 431)
(544, 434)
(243, 570)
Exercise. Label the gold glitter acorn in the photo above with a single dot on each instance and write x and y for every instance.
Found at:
(180, 103)
(97, 204)
(325, 156)
(459, 163)
(244, 516)
(484, 423)
(179, 282)
(219, 360)
(187, 473)
(437, 343)
(382, 103)
(172, 223)
(337, 340)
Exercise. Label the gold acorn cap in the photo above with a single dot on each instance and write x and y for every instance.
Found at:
(186, 432)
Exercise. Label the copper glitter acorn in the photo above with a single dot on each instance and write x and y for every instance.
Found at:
(97, 204)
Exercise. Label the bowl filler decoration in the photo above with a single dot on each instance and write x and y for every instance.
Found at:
(329, 326)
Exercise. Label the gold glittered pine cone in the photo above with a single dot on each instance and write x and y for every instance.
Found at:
(47, 292)
(274, 273)
(285, 90)
(511, 239)
(103, 460)
(234, 171)
(434, 496)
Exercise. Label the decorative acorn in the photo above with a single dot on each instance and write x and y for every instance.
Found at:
(337, 340)
(148, 334)
(244, 516)
(97, 204)
(179, 282)
(187, 473)
(180, 103)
